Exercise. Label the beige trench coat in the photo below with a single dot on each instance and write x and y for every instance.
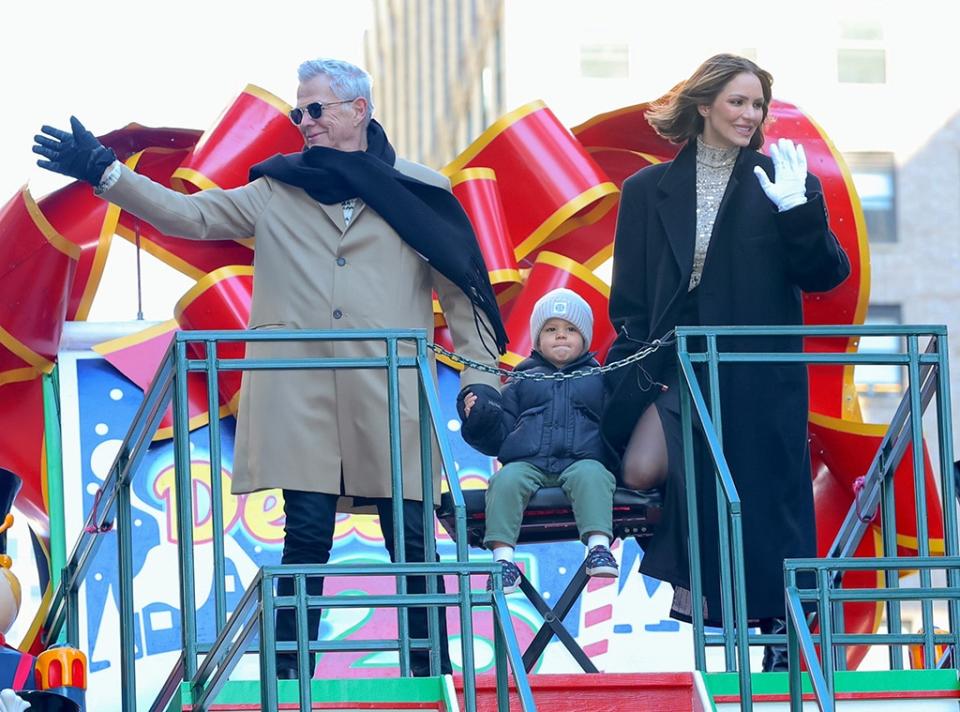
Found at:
(300, 429)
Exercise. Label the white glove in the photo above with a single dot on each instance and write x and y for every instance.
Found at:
(10, 701)
(790, 174)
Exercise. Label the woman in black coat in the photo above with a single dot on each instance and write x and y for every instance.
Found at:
(721, 235)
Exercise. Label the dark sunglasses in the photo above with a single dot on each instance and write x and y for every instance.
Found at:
(315, 109)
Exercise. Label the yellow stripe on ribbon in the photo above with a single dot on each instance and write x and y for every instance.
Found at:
(207, 281)
(49, 232)
(495, 129)
(110, 223)
(560, 223)
(24, 352)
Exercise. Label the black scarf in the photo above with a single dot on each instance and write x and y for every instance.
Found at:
(429, 219)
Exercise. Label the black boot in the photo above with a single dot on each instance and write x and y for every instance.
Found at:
(774, 656)
(287, 666)
(286, 672)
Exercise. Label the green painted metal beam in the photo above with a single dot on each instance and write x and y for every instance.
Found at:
(381, 690)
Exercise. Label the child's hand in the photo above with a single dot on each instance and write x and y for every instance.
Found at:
(468, 402)
(482, 403)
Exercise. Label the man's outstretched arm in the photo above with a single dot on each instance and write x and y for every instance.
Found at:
(207, 215)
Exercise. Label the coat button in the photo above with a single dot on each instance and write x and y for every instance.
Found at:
(337, 313)
(341, 261)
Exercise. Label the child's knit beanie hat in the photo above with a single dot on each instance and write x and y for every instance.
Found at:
(562, 304)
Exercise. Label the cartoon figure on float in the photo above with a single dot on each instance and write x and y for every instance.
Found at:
(55, 679)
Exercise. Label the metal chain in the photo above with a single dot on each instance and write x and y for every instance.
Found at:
(648, 348)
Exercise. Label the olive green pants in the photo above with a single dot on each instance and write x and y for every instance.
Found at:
(587, 483)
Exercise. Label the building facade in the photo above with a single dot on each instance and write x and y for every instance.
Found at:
(439, 73)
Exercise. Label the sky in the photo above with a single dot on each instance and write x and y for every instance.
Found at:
(175, 63)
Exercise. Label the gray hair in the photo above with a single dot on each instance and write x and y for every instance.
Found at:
(347, 81)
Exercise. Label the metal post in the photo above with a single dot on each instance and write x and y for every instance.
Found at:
(500, 661)
(268, 646)
(429, 538)
(128, 677)
(920, 494)
(304, 669)
(216, 483)
(688, 381)
(466, 637)
(793, 646)
(840, 624)
(513, 648)
(945, 432)
(447, 465)
(396, 481)
(726, 582)
(72, 606)
(727, 567)
(740, 602)
(826, 630)
(184, 503)
(891, 580)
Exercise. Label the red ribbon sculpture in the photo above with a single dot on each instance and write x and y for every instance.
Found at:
(542, 200)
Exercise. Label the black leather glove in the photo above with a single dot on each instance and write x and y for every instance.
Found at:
(483, 429)
(78, 154)
(485, 412)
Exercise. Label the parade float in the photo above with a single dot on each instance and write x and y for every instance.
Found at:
(543, 202)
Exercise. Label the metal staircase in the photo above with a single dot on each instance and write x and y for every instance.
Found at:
(204, 667)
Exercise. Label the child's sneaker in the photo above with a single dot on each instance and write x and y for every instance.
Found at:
(600, 562)
(511, 577)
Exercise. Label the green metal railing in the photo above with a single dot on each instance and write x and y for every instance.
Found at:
(829, 598)
(170, 386)
(254, 616)
(927, 373)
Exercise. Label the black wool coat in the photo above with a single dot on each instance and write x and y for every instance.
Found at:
(758, 263)
(551, 423)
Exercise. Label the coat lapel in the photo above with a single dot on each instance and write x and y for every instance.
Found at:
(334, 211)
(677, 208)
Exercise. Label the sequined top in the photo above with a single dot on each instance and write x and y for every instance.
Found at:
(714, 166)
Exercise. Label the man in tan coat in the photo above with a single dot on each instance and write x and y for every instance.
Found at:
(326, 258)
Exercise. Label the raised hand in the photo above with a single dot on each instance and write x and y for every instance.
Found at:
(77, 154)
(790, 175)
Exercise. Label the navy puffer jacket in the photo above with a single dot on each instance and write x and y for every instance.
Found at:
(550, 424)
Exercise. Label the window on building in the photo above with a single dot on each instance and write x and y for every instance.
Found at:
(861, 56)
(862, 66)
(879, 380)
(605, 61)
(864, 30)
(874, 178)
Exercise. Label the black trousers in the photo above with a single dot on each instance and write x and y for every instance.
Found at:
(308, 538)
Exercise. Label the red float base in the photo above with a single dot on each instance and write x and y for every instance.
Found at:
(664, 692)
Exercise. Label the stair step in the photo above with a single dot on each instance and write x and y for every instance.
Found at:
(604, 692)
(866, 690)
